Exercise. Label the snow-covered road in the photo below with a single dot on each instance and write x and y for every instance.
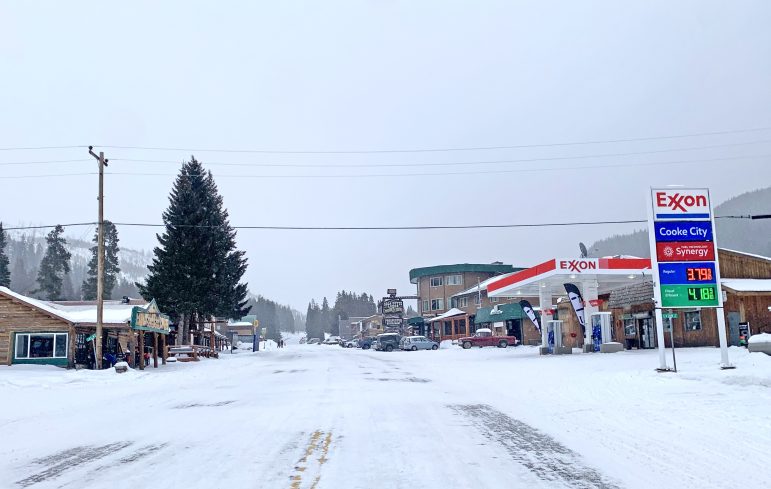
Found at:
(326, 417)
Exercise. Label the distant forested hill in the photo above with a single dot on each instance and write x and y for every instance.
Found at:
(736, 234)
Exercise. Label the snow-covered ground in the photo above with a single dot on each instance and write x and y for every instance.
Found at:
(327, 417)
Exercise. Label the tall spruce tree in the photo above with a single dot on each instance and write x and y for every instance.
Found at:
(326, 316)
(53, 267)
(196, 269)
(111, 264)
(5, 272)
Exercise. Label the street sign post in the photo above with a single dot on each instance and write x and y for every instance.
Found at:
(681, 230)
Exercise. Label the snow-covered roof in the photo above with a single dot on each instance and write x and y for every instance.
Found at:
(114, 312)
(482, 285)
(747, 254)
(747, 284)
(452, 312)
(240, 324)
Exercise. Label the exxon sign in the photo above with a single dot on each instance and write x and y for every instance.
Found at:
(578, 266)
(680, 203)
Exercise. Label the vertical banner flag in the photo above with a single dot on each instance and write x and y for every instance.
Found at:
(578, 304)
(529, 312)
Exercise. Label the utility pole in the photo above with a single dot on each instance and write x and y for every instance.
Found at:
(100, 260)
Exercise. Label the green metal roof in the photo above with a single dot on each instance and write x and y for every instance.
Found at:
(416, 321)
(493, 268)
(508, 311)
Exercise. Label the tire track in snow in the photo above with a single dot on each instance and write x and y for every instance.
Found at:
(70, 459)
(544, 456)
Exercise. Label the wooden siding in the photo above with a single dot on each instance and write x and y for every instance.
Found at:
(738, 265)
(17, 317)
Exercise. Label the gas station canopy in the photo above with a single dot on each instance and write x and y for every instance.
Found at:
(550, 276)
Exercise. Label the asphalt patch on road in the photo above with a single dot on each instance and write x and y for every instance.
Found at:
(294, 371)
(544, 456)
(56, 464)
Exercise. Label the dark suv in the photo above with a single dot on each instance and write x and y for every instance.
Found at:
(387, 341)
(367, 343)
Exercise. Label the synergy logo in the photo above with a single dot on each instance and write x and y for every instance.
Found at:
(685, 251)
(578, 265)
(680, 203)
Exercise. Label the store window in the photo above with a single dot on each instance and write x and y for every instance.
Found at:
(41, 345)
(437, 304)
(455, 280)
(425, 306)
(493, 300)
(437, 281)
(463, 302)
(629, 327)
(693, 321)
(460, 326)
(447, 328)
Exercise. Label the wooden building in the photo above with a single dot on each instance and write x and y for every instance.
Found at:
(746, 285)
(40, 332)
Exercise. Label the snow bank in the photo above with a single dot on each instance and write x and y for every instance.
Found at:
(762, 338)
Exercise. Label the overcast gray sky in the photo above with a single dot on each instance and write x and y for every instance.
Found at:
(380, 75)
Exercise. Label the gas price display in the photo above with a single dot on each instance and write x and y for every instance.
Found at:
(701, 274)
(701, 293)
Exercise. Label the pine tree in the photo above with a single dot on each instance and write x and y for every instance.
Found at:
(111, 264)
(53, 267)
(314, 327)
(326, 316)
(196, 269)
(5, 273)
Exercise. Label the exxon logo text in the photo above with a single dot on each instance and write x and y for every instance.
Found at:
(578, 265)
(680, 202)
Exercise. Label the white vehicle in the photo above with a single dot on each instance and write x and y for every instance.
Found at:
(352, 343)
(414, 343)
(332, 340)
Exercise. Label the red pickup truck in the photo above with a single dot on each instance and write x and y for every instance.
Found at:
(484, 337)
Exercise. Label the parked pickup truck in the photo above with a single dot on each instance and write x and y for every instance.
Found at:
(484, 337)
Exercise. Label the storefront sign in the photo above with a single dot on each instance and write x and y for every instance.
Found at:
(392, 322)
(683, 248)
(578, 266)
(687, 296)
(149, 319)
(91, 337)
(687, 273)
(680, 203)
(683, 231)
(669, 315)
(393, 306)
(685, 251)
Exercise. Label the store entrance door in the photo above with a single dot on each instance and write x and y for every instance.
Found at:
(647, 333)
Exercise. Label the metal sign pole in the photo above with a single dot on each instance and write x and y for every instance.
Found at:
(659, 321)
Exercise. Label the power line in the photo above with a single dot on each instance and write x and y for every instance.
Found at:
(47, 175)
(432, 150)
(474, 172)
(433, 174)
(384, 228)
(46, 226)
(8, 163)
(460, 163)
(26, 148)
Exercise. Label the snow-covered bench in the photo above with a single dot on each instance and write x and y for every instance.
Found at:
(183, 353)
